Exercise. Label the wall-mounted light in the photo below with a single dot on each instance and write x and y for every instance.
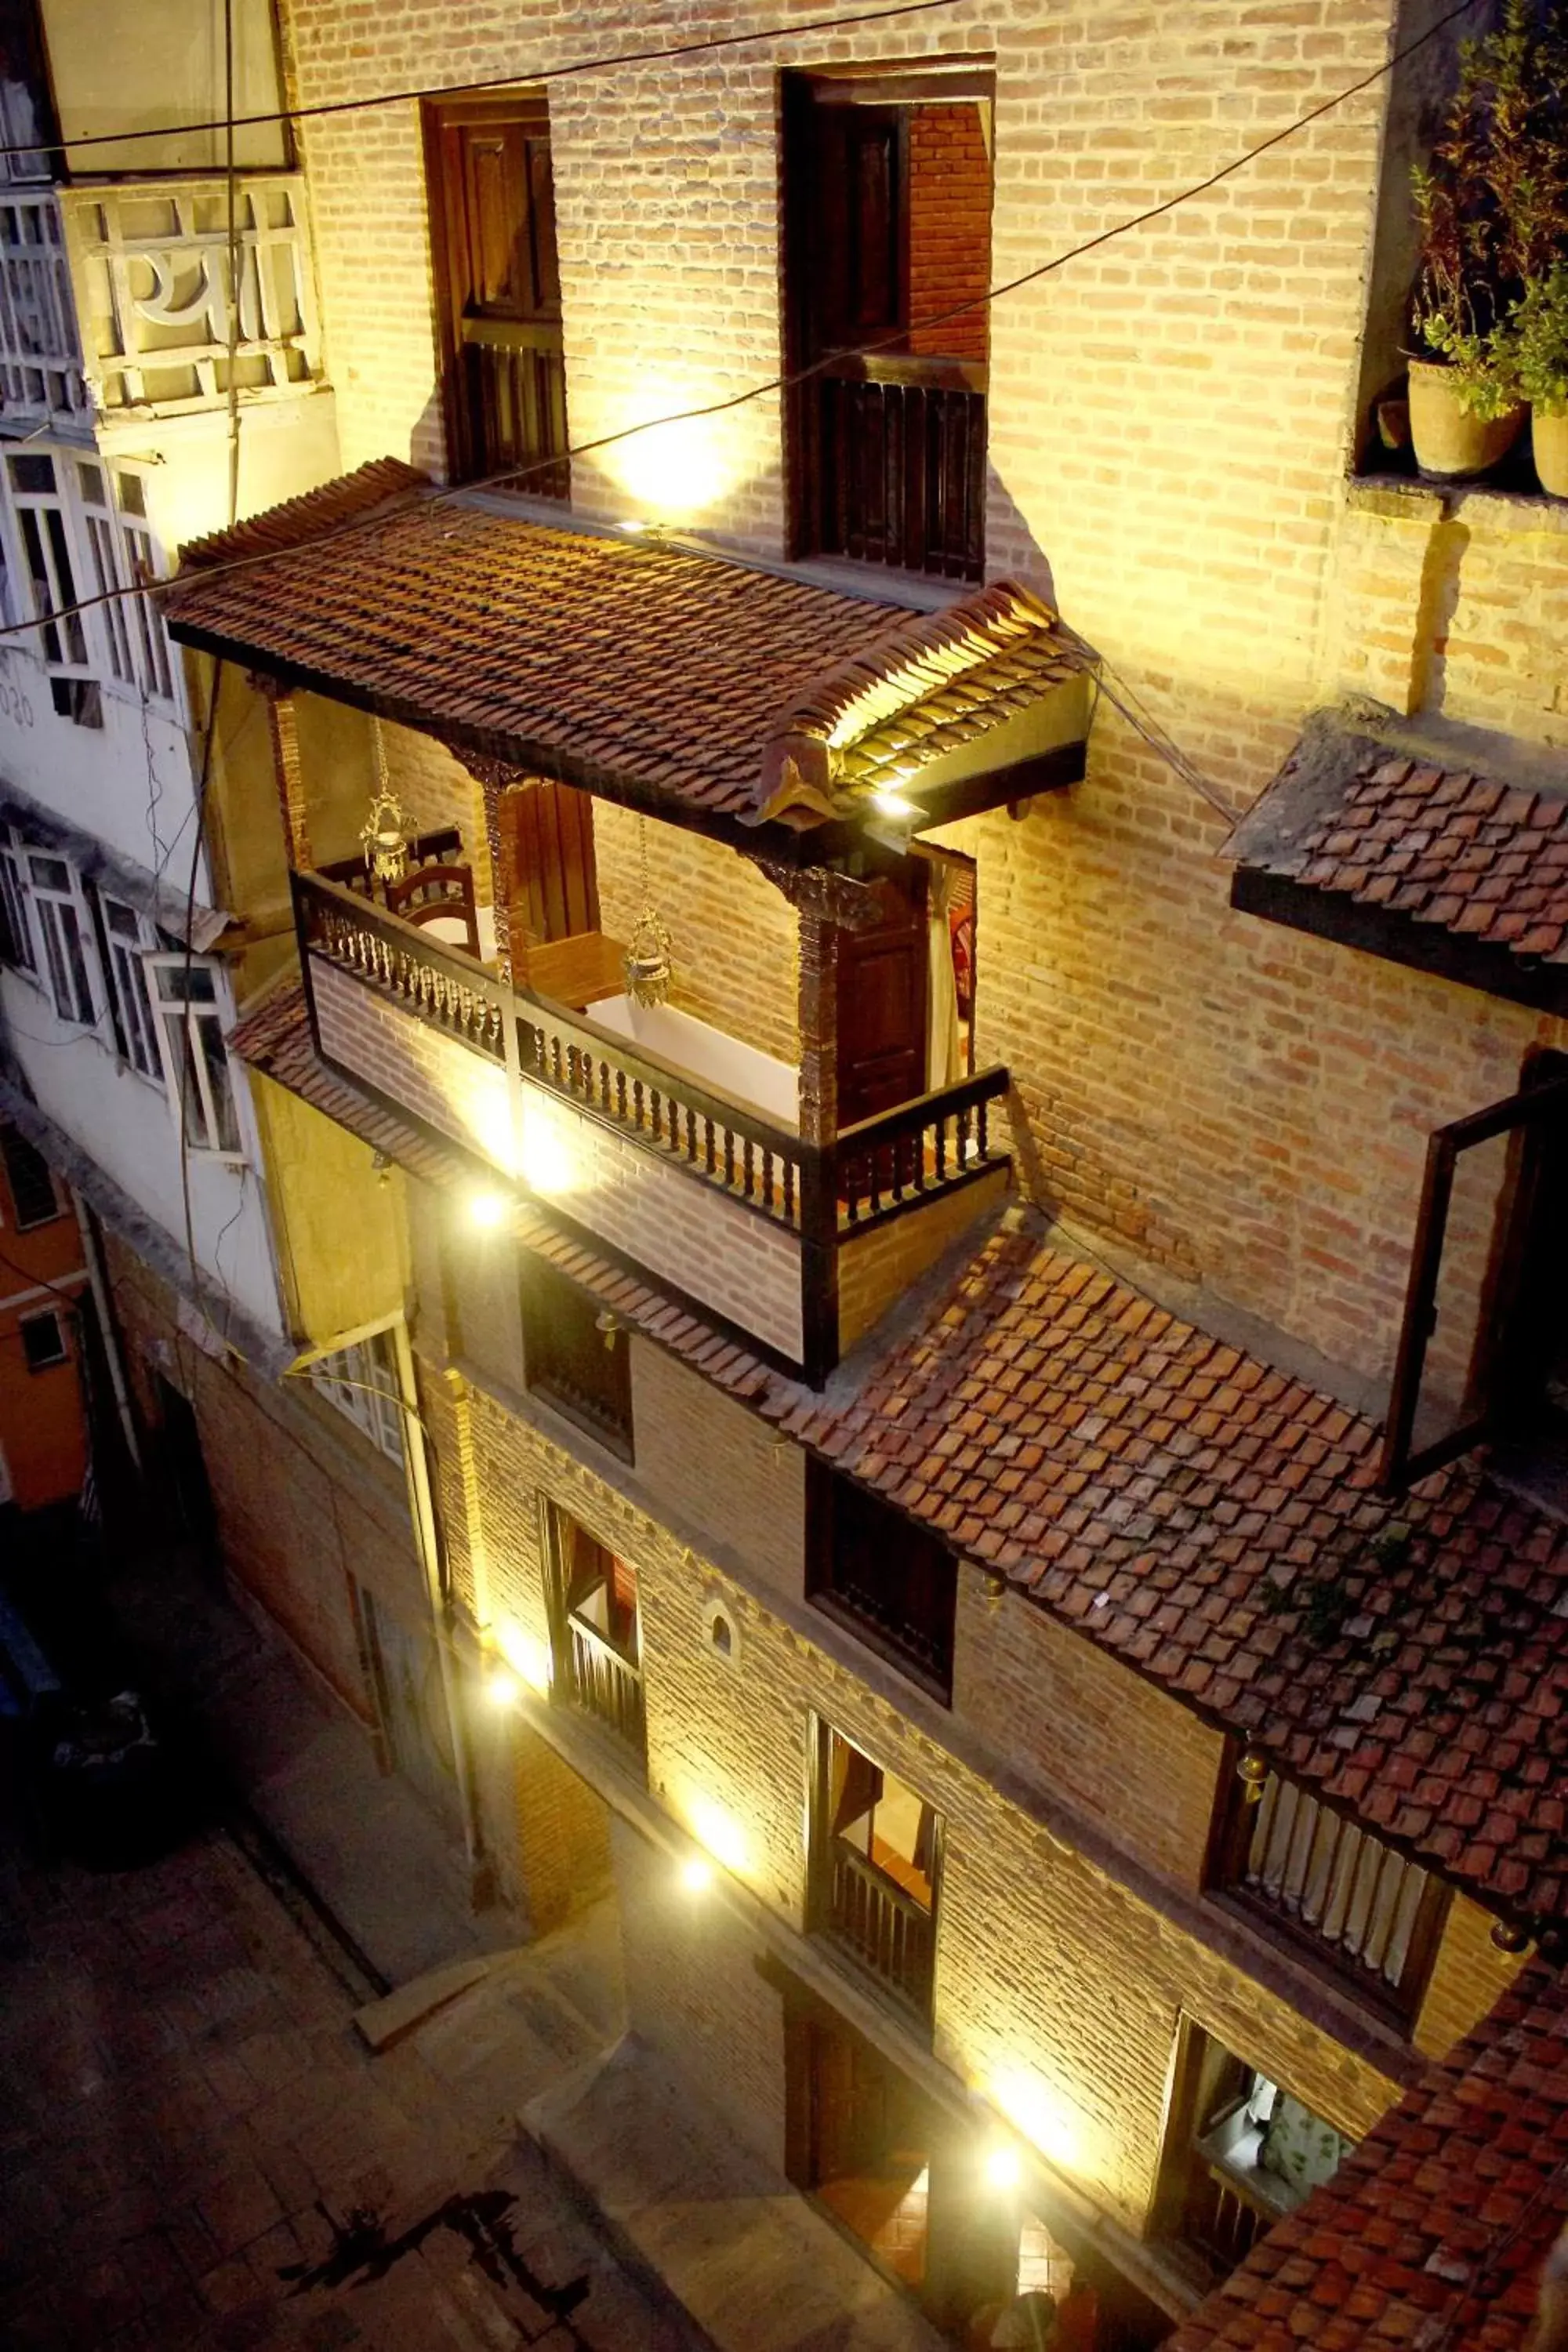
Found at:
(891, 804)
(1004, 2169)
(502, 1689)
(1252, 1771)
(695, 1874)
(609, 1327)
(487, 1210)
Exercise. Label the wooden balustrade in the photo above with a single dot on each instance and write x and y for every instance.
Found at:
(1333, 1882)
(710, 1134)
(1218, 2219)
(441, 986)
(892, 453)
(601, 1683)
(889, 1932)
(890, 1161)
(823, 1193)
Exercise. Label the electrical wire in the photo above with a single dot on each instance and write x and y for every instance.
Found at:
(788, 381)
(529, 76)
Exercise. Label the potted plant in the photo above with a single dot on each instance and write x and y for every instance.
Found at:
(1538, 332)
(1491, 208)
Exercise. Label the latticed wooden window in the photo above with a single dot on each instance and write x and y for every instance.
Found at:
(1349, 1897)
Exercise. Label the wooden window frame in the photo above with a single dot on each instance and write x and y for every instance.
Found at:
(10, 1138)
(448, 267)
(1396, 2004)
(622, 1720)
(1526, 1116)
(924, 1658)
(821, 1840)
(545, 1294)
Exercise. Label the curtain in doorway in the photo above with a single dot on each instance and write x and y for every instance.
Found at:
(944, 1065)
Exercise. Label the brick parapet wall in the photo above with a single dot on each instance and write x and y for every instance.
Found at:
(876, 1268)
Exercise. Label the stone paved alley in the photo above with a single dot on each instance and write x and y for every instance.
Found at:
(196, 2149)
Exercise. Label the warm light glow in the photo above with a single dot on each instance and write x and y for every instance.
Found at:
(1003, 2168)
(487, 1210)
(546, 1164)
(695, 1874)
(634, 525)
(527, 1656)
(720, 1832)
(893, 803)
(502, 1687)
(679, 473)
(1038, 2113)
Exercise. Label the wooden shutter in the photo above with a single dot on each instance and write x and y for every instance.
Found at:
(1483, 1200)
(492, 202)
(884, 982)
(555, 891)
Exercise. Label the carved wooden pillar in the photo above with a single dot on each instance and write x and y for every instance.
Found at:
(284, 733)
(817, 1001)
(494, 777)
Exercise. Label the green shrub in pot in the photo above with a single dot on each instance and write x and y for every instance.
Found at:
(1537, 335)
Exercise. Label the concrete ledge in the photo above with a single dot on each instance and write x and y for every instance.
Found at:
(687, 2205)
(381, 2023)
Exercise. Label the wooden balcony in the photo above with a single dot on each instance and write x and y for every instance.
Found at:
(882, 1927)
(759, 1229)
(603, 1684)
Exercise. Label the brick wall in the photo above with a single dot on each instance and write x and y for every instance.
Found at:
(1167, 423)
(878, 1267)
(449, 1084)
(950, 227)
(1059, 1993)
(735, 937)
(304, 1501)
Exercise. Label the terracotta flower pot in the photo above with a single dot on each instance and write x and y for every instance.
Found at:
(1549, 437)
(1449, 442)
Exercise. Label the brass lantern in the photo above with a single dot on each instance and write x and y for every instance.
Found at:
(647, 962)
(385, 836)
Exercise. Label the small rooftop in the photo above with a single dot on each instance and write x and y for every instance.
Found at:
(1432, 2234)
(1180, 1503)
(1397, 847)
(641, 670)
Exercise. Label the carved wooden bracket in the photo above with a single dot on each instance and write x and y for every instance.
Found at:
(833, 899)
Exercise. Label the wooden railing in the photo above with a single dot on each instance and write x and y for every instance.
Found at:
(1218, 2219)
(891, 452)
(447, 988)
(886, 1163)
(604, 1684)
(1326, 1878)
(710, 1134)
(889, 1932)
(514, 383)
(823, 1193)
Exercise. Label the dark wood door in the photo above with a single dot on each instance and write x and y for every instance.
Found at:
(884, 983)
(549, 847)
(493, 235)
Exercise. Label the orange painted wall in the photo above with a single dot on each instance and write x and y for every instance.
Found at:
(42, 1426)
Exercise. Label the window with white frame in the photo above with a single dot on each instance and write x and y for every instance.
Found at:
(124, 556)
(187, 1007)
(362, 1381)
(140, 550)
(44, 531)
(15, 922)
(62, 928)
(127, 937)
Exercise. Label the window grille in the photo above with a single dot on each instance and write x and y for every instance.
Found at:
(362, 1382)
(184, 997)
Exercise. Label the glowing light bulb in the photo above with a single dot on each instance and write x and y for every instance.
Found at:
(893, 803)
(695, 1874)
(487, 1210)
(1003, 2169)
(502, 1688)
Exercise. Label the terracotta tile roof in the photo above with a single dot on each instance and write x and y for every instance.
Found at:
(1444, 846)
(1432, 2234)
(1203, 1517)
(641, 669)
